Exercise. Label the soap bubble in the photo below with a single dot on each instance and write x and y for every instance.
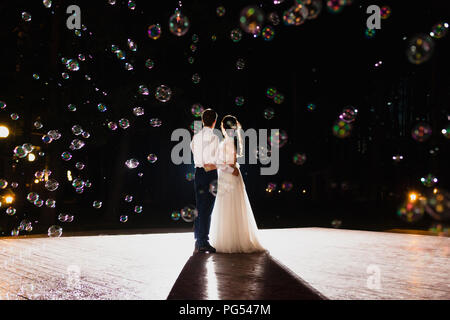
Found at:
(239, 101)
(236, 35)
(152, 158)
(2, 105)
(54, 134)
(420, 49)
(278, 98)
(124, 123)
(439, 30)
(71, 107)
(196, 78)
(138, 209)
(421, 132)
(189, 176)
(112, 125)
(335, 6)
(132, 45)
(336, 223)
(77, 144)
(274, 18)
(163, 93)
(271, 92)
(138, 111)
(128, 198)
(79, 165)
(77, 130)
(269, 113)
(47, 3)
(296, 15)
(268, 33)
(101, 107)
(299, 159)
(38, 202)
(189, 213)
(271, 187)
(143, 90)
(446, 131)
(413, 209)
(10, 211)
(50, 203)
(220, 11)
(66, 156)
(26, 16)
(15, 116)
(251, 19)
(429, 180)
(132, 163)
(287, 186)
(341, 129)
(32, 196)
(155, 122)
(78, 183)
(55, 231)
(197, 110)
(178, 23)
(175, 215)
(3, 184)
(278, 139)
(46, 139)
(149, 64)
(348, 114)
(314, 8)
(20, 152)
(385, 12)
(51, 184)
(72, 65)
(97, 204)
(154, 31)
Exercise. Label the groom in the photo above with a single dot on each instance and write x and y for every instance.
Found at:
(204, 146)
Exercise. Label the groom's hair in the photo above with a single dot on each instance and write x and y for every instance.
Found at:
(208, 117)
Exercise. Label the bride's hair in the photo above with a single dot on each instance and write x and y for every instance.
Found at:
(232, 128)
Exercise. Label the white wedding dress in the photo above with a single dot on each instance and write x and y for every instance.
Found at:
(233, 226)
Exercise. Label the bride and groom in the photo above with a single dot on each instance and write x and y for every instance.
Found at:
(228, 215)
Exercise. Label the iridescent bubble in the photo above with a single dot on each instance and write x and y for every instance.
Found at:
(149, 64)
(311, 107)
(78, 183)
(77, 144)
(62, 217)
(197, 110)
(370, 33)
(189, 213)
(123, 218)
(335, 6)
(55, 231)
(97, 204)
(152, 158)
(348, 114)
(439, 30)
(420, 49)
(278, 98)
(189, 176)
(35, 76)
(155, 122)
(196, 78)
(269, 113)
(154, 31)
(271, 187)
(385, 12)
(112, 126)
(129, 66)
(120, 55)
(132, 163)
(296, 15)
(138, 111)
(268, 33)
(251, 19)
(51, 184)
(47, 3)
(191, 60)
(336, 223)
(72, 107)
(50, 203)
(46, 139)
(32, 196)
(175, 215)
(195, 38)
(20, 152)
(213, 37)
(193, 48)
(314, 8)
(421, 132)
(397, 157)
(239, 101)
(66, 156)
(429, 180)
(3, 184)
(10, 211)
(274, 18)
(77, 130)
(299, 159)
(124, 123)
(39, 175)
(28, 147)
(163, 93)
(220, 11)
(278, 139)
(25, 225)
(2, 105)
(413, 209)
(14, 232)
(38, 203)
(26, 16)
(341, 129)
(236, 35)
(287, 186)
(81, 57)
(131, 5)
(446, 131)
(38, 125)
(72, 65)
(128, 198)
(14, 185)
(65, 75)
(138, 209)
(132, 45)
(240, 64)
(101, 107)
(271, 92)
(178, 23)
(85, 134)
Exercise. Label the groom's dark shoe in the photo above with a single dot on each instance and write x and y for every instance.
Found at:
(207, 248)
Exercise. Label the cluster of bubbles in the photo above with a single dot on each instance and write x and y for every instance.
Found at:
(273, 94)
(342, 127)
(189, 213)
(421, 46)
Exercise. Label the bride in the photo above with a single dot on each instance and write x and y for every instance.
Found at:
(233, 226)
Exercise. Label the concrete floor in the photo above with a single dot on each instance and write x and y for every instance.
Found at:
(315, 262)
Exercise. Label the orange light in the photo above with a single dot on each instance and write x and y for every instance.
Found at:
(413, 196)
(9, 199)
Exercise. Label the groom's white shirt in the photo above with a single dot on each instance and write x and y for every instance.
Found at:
(205, 148)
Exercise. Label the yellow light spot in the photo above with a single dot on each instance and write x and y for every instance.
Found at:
(36, 180)
(31, 157)
(412, 196)
(9, 199)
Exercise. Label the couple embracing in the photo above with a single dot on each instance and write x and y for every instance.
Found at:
(227, 216)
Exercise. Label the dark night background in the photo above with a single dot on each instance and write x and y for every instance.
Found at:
(327, 61)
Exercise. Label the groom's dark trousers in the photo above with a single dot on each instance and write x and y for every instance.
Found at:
(205, 203)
